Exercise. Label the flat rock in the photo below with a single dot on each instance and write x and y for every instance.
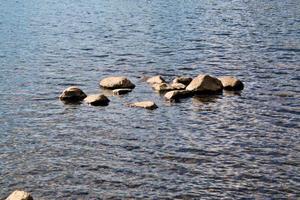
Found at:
(72, 94)
(97, 100)
(116, 82)
(205, 84)
(162, 87)
(19, 195)
(144, 104)
(121, 91)
(183, 80)
(177, 94)
(156, 79)
(231, 83)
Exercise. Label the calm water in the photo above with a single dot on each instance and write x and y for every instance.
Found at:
(223, 147)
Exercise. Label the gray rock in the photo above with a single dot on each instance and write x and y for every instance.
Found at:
(231, 83)
(183, 80)
(177, 94)
(156, 79)
(144, 104)
(97, 100)
(121, 91)
(205, 84)
(72, 94)
(19, 195)
(116, 82)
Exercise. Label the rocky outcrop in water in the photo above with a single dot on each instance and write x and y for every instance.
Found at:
(205, 84)
(116, 82)
(97, 100)
(72, 94)
(161, 87)
(144, 104)
(231, 83)
(19, 195)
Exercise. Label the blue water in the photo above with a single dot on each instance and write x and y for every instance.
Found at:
(218, 147)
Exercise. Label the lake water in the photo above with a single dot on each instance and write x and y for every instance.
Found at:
(229, 146)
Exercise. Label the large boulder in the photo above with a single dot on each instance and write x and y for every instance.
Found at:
(144, 104)
(177, 94)
(19, 195)
(116, 82)
(205, 84)
(97, 100)
(231, 83)
(156, 79)
(183, 80)
(72, 94)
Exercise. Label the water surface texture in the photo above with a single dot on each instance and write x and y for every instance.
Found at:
(219, 147)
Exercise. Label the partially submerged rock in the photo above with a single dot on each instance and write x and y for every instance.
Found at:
(177, 86)
(19, 195)
(156, 79)
(72, 94)
(231, 83)
(183, 80)
(177, 94)
(121, 91)
(116, 82)
(205, 84)
(161, 87)
(144, 104)
(97, 100)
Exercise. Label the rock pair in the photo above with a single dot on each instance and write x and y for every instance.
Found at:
(19, 195)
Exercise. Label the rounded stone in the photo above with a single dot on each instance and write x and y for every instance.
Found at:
(97, 100)
(156, 79)
(144, 104)
(116, 82)
(72, 94)
(231, 83)
(204, 84)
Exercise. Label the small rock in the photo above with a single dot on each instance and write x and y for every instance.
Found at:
(205, 84)
(19, 195)
(72, 94)
(177, 94)
(97, 100)
(116, 82)
(156, 79)
(178, 86)
(161, 87)
(121, 91)
(231, 83)
(183, 80)
(144, 104)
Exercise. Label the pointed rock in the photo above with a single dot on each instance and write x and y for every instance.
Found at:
(161, 87)
(231, 83)
(72, 94)
(205, 84)
(97, 100)
(116, 82)
(19, 195)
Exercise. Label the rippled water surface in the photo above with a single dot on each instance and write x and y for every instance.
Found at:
(217, 147)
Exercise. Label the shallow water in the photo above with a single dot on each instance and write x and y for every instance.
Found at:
(219, 147)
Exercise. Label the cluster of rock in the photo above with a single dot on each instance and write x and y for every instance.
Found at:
(180, 87)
